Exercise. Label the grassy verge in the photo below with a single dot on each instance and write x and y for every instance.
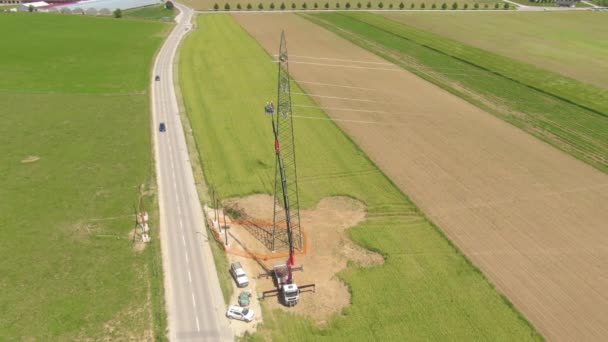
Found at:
(150, 12)
(425, 290)
(569, 126)
(74, 97)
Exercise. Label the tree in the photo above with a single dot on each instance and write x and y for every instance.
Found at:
(358, 5)
(282, 6)
(238, 7)
(293, 6)
(337, 5)
(347, 6)
(476, 6)
(30, 9)
(249, 7)
(260, 6)
(485, 6)
(506, 6)
(401, 5)
(304, 6)
(434, 6)
(380, 5)
(326, 5)
(390, 6)
(216, 7)
(412, 5)
(227, 7)
(455, 5)
(117, 13)
(465, 6)
(422, 6)
(444, 6)
(272, 5)
(496, 6)
(316, 5)
(369, 4)
(169, 5)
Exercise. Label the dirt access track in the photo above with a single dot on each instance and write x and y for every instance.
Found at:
(534, 219)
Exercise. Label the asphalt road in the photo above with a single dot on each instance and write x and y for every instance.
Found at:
(196, 310)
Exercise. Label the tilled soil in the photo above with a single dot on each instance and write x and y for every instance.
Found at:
(534, 219)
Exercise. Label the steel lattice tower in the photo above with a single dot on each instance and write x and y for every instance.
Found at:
(286, 221)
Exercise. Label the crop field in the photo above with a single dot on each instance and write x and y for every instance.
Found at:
(530, 216)
(209, 5)
(425, 289)
(570, 43)
(521, 94)
(75, 147)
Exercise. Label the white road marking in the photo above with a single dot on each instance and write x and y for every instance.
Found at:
(198, 327)
(187, 260)
(189, 277)
(181, 224)
(183, 240)
(193, 300)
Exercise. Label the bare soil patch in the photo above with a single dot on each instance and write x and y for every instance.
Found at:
(30, 159)
(328, 251)
(531, 217)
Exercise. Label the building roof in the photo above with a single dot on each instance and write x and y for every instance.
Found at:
(36, 4)
(109, 4)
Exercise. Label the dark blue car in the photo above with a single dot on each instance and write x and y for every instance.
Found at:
(162, 127)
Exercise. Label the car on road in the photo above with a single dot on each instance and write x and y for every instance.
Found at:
(157, 78)
(237, 312)
(162, 127)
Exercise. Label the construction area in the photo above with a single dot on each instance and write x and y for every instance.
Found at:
(288, 253)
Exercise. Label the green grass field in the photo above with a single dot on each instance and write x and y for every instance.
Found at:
(74, 93)
(150, 12)
(426, 290)
(499, 85)
(571, 43)
(208, 5)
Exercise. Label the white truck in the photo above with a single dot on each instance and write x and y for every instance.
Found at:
(290, 294)
(239, 275)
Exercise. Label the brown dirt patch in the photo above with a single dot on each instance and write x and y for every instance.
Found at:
(329, 249)
(531, 217)
(30, 159)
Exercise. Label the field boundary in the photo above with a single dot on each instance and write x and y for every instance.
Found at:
(497, 73)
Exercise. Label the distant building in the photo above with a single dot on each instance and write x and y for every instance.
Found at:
(566, 3)
(25, 7)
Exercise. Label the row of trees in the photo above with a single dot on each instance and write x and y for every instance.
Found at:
(369, 5)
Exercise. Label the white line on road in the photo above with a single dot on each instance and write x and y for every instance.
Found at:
(183, 240)
(181, 224)
(189, 277)
(198, 327)
(187, 260)
(193, 300)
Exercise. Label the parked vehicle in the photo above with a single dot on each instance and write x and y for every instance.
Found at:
(290, 292)
(240, 313)
(157, 78)
(162, 127)
(244, 298)
(239, 275)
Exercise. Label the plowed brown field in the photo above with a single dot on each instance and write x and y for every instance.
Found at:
(534, 219)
